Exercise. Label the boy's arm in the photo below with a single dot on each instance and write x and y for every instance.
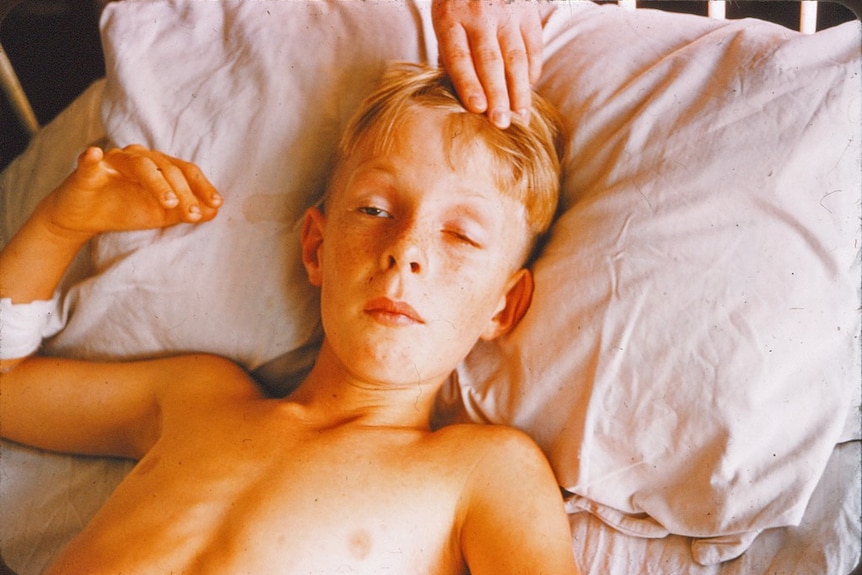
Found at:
(113, 409)
(129, 189)
(79, 406)
(515, 522)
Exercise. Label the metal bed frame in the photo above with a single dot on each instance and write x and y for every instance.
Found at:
(718, 9)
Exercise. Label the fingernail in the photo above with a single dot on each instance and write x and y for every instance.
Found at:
(171, 198)
(216, 198)
(500, 118)
(524, 114)
(194, 211)
(476, 103)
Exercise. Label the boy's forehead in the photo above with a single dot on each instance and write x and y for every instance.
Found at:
(422, 131)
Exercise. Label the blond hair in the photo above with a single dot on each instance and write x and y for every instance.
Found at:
(528, 154)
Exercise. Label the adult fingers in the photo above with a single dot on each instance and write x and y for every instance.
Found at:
(457, 58)
(521, 44)
(492, 51)
(531, 31)
(491, 67)
(517, 72)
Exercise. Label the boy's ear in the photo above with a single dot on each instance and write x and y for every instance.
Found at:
(312, 244)
(513, 305)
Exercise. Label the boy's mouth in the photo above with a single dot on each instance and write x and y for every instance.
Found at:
(392, 312)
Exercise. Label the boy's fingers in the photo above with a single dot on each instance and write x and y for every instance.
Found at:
(534, 43)
(159, 177)
(204, 199)
(200, 185)
(186, 202)
(179, 187)
(90, 157)
(89, 164)
(143, 171)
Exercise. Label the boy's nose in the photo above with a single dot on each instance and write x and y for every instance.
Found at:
(415, 266)
(406, 252)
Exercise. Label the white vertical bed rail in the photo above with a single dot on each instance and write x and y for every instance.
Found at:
(808, 16)
(716, 9)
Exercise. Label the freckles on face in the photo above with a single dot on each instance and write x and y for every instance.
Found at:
(425, 242)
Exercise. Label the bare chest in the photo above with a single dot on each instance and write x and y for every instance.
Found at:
(254, 498)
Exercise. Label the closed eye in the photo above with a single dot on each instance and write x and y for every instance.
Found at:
(463, 238)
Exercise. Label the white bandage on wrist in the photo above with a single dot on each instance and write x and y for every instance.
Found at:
(24, 325)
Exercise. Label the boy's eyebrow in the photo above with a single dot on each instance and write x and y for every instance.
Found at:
(375, 165)
(384, 168)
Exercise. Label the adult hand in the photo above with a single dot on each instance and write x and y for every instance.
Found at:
(492, 50)
(131, 189)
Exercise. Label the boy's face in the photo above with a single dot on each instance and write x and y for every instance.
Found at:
(417, 255)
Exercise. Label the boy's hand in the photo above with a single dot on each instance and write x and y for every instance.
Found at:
(492, 50)
(130, 189)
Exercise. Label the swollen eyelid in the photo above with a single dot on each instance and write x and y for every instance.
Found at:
(464, 237)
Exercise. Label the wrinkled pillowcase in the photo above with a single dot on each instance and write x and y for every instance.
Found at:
(692, 350)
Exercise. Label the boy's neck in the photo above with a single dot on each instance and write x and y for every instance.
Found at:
(335, 396)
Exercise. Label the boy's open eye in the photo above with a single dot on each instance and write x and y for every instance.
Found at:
(374, 212)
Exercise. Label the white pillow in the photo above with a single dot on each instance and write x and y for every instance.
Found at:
(256, 93)
(692, 349)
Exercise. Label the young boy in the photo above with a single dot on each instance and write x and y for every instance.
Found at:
(418, 251)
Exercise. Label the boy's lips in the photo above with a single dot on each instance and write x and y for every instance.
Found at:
(394, 312)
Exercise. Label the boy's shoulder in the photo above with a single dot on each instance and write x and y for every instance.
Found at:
(484, 432)
(201, 378)
(492, 445)
(510, 503)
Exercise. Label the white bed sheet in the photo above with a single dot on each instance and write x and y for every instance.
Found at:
(826, 542)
